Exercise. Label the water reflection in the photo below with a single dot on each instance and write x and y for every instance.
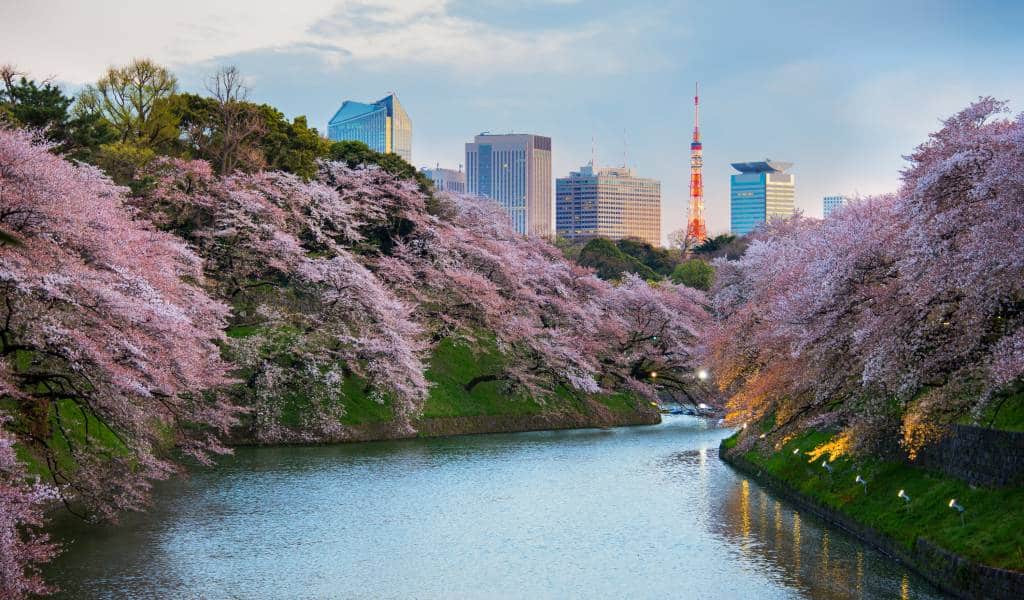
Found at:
(806, 555)
(645, 512)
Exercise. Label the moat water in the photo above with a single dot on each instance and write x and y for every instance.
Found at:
(639, 512)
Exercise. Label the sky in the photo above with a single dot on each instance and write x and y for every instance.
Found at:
(841, 89)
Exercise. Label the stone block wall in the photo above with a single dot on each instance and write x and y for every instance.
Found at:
(979, 456)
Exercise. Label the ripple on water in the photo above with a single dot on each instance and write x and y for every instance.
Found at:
(645, 512)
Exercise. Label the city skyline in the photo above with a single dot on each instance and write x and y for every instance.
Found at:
(575, 71)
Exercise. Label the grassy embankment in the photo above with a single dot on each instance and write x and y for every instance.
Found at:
(993, 521)
(452, 366)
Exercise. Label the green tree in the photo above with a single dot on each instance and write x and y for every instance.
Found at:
(659, 260)
(355, 154)
(229, 131)
(694, 273)
(605, 257)
(38, 107)
(135, 100)
(725, 244)
(25, 103)
(291, 146)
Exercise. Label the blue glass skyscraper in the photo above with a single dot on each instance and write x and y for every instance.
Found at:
(384, 126)
(760, 192)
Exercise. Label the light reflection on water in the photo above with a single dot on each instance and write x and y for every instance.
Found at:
(647, 512)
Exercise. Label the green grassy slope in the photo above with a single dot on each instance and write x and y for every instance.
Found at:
(452, 365)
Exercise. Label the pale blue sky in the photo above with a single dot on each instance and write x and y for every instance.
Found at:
(842, 89)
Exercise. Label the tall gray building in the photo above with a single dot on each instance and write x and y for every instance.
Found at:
(761, 191)
(447, 180)
(514, 170)
(611, 202)
(384, 125)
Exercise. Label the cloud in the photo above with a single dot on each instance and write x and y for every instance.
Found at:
(94, 35)
(427, 32)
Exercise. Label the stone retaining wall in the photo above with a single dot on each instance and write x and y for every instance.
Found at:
(596, 415)
(978, 456)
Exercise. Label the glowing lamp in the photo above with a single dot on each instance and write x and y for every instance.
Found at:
(958, 508)
(702, 374)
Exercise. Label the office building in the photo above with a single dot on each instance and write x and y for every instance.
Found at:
(447, 180)
(761, 191)
(830, 203)
(515, 171)
(609, 202)
(384, 126)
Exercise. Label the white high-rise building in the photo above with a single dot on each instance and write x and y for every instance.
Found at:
(515, 171)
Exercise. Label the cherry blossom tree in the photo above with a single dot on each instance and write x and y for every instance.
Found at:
(108, 358)
(23, 545)
(557, 325)
(281, 252)
(901, 314)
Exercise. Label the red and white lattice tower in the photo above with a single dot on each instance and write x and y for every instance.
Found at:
(696, 229)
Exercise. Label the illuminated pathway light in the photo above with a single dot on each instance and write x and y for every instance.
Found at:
(906, 499)
(959, 508)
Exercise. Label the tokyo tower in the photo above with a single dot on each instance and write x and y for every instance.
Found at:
(696, 229)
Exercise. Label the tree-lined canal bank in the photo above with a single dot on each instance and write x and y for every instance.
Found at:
(640, 512)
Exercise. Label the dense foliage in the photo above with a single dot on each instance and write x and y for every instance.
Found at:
(695, 273)
(724, 245)
(612, 260)
(897, 316)
(306, 313)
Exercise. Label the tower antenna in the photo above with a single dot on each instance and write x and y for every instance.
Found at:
(696, 228)
(625, 150)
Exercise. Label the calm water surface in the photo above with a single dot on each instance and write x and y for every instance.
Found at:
(643, 512)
